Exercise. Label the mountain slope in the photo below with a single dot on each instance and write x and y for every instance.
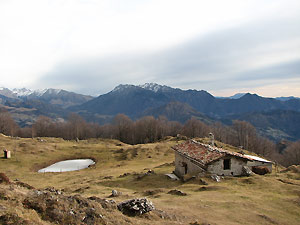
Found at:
(176, 111)
(276, 124)
(59, 97)
(128, 99)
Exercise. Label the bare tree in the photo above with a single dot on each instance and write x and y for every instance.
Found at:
(41, 127)
(124, 128)
(195, 128)
(7, 125)
(292, 154)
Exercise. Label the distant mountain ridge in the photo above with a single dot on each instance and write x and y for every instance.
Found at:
(133, 100)
(26, 105)
(58, 97)
(275, 117)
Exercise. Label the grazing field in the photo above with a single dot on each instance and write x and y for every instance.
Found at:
(139, 171)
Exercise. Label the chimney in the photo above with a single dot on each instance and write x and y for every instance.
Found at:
(212, 139)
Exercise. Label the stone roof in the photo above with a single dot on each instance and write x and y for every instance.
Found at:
(203, 153)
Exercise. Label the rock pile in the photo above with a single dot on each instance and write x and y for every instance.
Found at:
(137, 206)
(246, 171)
(215, 178)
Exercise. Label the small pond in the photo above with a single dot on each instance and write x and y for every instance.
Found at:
(68, 165)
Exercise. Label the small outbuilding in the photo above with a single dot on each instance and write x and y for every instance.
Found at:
(7, 154)
(192, 157)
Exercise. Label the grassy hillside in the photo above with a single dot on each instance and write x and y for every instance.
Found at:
(269, 199)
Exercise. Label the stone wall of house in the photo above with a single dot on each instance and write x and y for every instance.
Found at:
(192, 168)
(236, 166)
(259, 163)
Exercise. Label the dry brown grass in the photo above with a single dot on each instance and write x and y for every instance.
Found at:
(239, 200)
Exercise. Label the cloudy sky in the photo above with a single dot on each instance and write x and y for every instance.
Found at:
(91, 46)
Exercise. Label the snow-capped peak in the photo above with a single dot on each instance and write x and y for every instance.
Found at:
(121, 87)
(22, 91)
(155, 87)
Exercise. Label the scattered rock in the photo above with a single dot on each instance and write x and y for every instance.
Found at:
(40, 139)
(246, 171)
(260, 170)
(177, 192)
(4, 178)
(215, 178)
(150, 172)
(135, 207)
(82, 189)
(202, 182)
(105, 203)
(141, 176)
(172, 176)
(115, 193)
(124, 175)
(210, 188)
(198, 223)
(153, 192)
(53, 190)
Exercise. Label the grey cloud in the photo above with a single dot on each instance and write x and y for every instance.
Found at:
(215, 61)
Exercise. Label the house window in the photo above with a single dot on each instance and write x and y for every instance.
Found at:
(226, 163)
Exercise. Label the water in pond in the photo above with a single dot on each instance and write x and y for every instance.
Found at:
(68, 165)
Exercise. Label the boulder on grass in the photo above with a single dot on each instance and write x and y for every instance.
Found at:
(135, 207)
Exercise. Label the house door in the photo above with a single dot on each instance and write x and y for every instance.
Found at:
(226, 164)
(185, 167)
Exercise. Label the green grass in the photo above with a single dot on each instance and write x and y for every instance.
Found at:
(238, 200)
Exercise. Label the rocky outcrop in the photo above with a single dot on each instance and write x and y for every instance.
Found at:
(55, 207)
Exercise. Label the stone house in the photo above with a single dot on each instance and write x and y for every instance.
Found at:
(193, 157)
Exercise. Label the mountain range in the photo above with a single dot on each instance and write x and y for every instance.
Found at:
(276, 118)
